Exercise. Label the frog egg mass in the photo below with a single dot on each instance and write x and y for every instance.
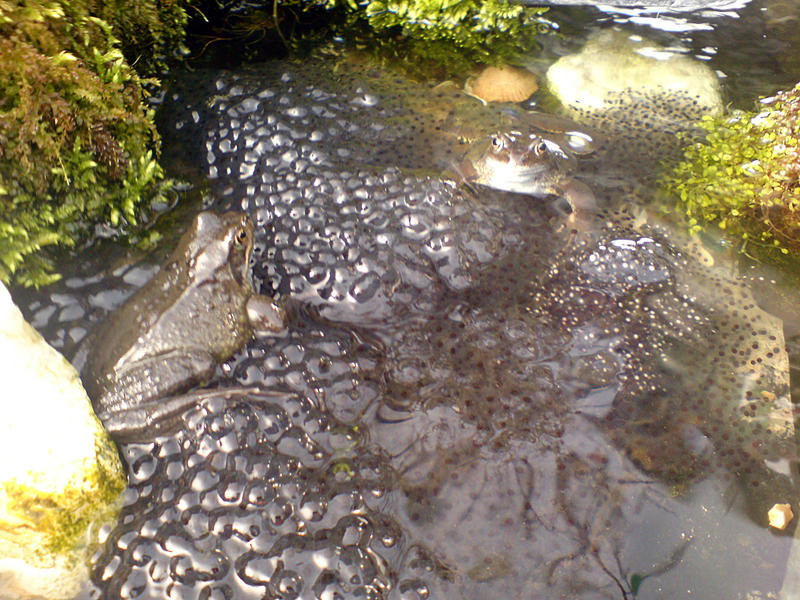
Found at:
(469, 397)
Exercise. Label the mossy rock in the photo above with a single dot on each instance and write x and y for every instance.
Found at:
(65, 478)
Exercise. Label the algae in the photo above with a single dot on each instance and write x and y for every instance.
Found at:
(57, 523)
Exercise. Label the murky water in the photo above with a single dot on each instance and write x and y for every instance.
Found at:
(471, 401)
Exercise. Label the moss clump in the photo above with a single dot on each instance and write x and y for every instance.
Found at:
(744, 177)
(77, 144)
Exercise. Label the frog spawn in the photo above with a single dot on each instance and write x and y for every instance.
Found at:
(641, 130)
(338, 229)
(239, 500)
(541, 372)
(517, 391)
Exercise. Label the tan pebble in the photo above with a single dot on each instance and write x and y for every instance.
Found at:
(780, 516)
(503, 84)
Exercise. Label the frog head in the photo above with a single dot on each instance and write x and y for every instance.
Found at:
(513, 161)
(219, 242)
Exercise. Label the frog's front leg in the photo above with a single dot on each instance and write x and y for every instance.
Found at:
(139, 396)
(265, 316)
(581, 200)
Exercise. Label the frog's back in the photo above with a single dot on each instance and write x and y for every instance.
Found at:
(172, 333)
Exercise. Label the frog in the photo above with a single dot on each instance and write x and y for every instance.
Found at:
(534, 163)
(516, 161)
(170, 336)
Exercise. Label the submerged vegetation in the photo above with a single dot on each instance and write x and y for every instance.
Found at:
(745, 177)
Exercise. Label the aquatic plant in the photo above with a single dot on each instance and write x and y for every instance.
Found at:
(77, 145)
(744, 177)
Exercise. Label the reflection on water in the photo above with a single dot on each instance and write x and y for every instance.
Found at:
(472, 400)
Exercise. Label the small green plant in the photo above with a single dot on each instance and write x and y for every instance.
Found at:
(744, 177)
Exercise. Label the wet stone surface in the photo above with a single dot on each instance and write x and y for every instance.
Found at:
(469, 401)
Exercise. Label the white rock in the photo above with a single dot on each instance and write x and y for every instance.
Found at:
(613, 63)
(60, 476)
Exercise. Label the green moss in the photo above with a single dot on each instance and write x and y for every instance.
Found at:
(743, 178)
(77, 145)
(60, 522)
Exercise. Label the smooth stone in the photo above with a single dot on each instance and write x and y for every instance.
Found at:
(61, 475)
(614, 64)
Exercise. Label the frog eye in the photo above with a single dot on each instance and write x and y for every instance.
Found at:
(540, 148)
(497, 143)
(241, 236)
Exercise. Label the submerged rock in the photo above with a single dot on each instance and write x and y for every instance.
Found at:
(60, 477)
(615, 66)
(628, 87)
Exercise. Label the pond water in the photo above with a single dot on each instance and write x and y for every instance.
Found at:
(472, 399)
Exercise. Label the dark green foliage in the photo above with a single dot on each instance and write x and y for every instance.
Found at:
(77, 145)
(744, 177)
(151, 32)
(433, 38)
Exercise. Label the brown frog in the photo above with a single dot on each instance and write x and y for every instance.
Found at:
(170, 336)
(533, 162)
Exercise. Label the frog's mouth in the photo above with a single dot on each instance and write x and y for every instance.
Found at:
(535, 179)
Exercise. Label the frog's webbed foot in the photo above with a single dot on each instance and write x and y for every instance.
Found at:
(583, 218)
(148, 421)
(583, 205)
